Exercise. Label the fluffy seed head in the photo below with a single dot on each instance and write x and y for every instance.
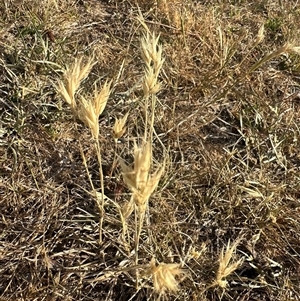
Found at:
(292, 48)
(72, 78)
(142, 162)
(100, 99)
(119, 127)
(127, 208)
(260, 35)
(138, 179)
(163, 276)
(87, 115)
(142, 196)
(150, 84)
(151, 51)
(152, 56)
(89, 111)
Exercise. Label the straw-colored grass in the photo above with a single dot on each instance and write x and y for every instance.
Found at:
(164, 276)
(88, 111)
(225, 266)
(119, 128)
(149, 150)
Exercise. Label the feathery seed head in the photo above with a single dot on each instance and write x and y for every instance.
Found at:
(292, 48)
(150, 49)
(69, 98)
(127, 208)
(260, 35)
(142, 195)
(145, 53)
(152, 56)
(150, 84)
(142, 162)
(101, 98)
(87, 115)
(119, 127)
(138, 179)
(128, 175)
(76, 74)
(286, 48)
(163, 276)
(73, 77)
(83, 71)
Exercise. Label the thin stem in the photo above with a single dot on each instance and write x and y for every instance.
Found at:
(153, 104)
(269, 57)
(101, 205)
(136, 244)
(139, 220)
(114, 164)
(84, 158)
(146, 117)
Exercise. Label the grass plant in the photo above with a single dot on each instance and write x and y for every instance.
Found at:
(149, 150)
(88, 112)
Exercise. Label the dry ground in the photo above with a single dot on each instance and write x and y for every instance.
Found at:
(227, 122)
